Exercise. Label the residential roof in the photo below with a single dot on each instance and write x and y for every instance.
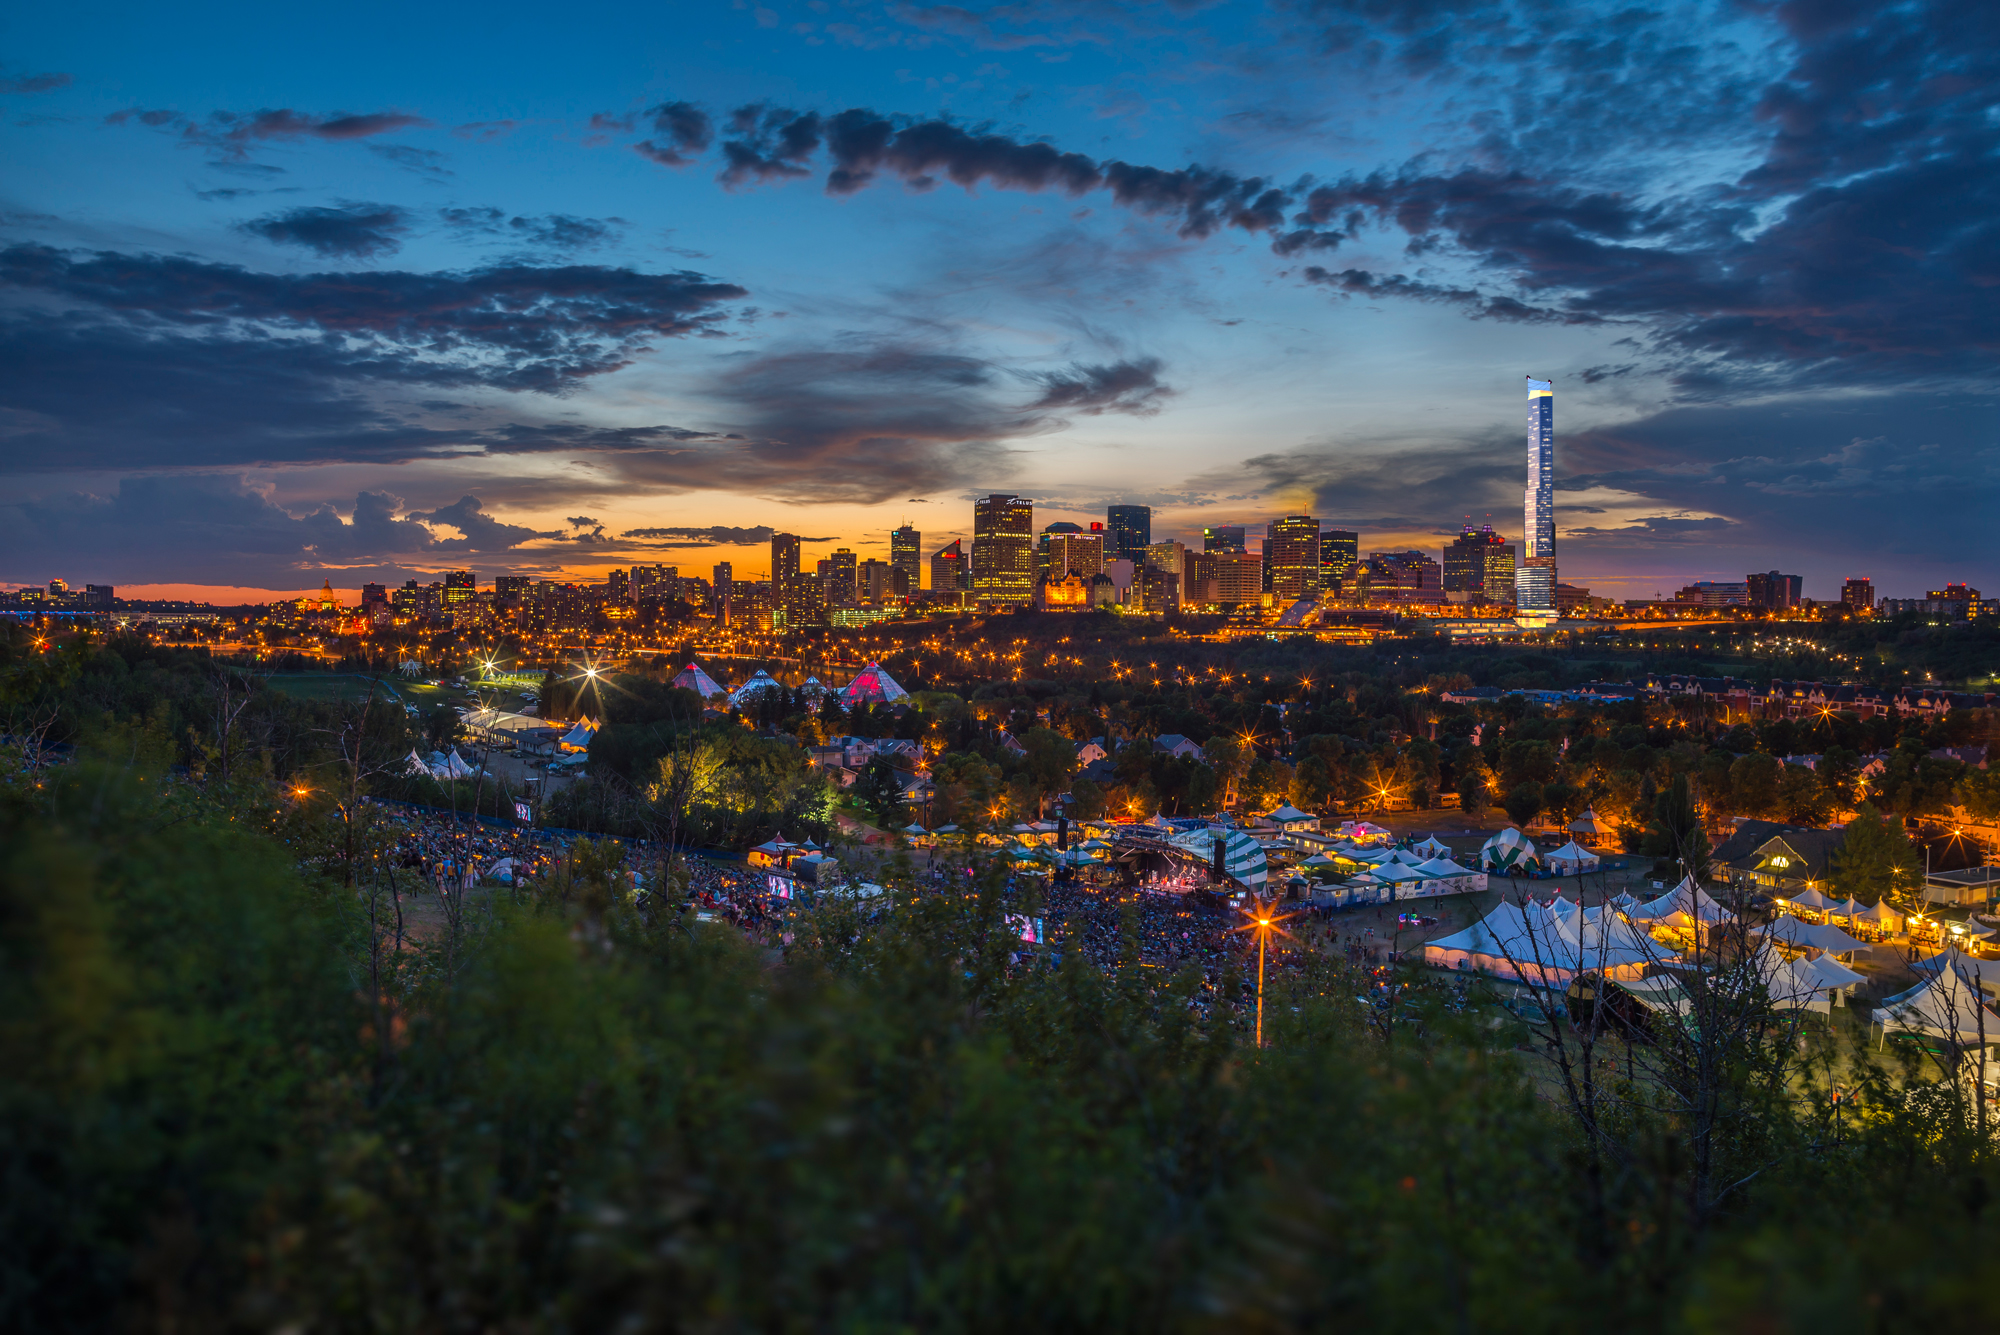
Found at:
(1749, 846)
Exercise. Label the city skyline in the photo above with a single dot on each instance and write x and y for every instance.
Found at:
(279, 305)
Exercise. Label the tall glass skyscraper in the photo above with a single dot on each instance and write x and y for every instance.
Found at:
(905, 554)
(1131, 528)
(1003, 549)
(1535, 576)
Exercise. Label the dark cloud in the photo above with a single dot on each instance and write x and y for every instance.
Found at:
(1476, 304)
(717, 535)
(513, 326)
(218, 531)
(553, 231)
(581, 521)
(771, 144)
(1122, 387)
(346, 231)
(34, 83)
(681, 133)
(232, 134)
(425, 162)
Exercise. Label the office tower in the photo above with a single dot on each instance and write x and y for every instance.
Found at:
(725, 585)
(1222, 538)
(804, 600)
(1859, 594)
(1339, 550)
(1773, 591)
(1408, 571)
(1080, 552)
(836, 575)
(784, 560)
(873, 582)
(1500, 575)
(375, 595)
(459, 585)
(906, 554)
(1535, 577)
(1471, 560)
(1157, 589)
(1291, 554)
(1239, 577)
(1049, 535)
(655, 583)
(1003, 549)
(1169, 556)
(949, 577)
(1131, 530)
(618, 587)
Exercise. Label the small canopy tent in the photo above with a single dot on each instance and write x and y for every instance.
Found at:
(1432, 847)
(1810, 898)
(1572, 859)
(1969, 967)
(578, 738)
(1588, 826)
(1879, 916)
(692, 678)
(416, 764)
(1506, 850)
(1811, 935)
(872, 686)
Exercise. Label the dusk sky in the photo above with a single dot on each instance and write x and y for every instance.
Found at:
(370, 293)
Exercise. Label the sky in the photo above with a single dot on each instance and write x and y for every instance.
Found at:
(364, 295)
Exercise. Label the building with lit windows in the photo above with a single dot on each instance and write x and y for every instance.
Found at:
(1859, 594)
(1479, 561)
(784, 559)
(906, 554)
(1222, 538)
(1535, 574)
(1081, 553)
(1339, 551)
(949, 576)
(1003, 549)
(1131, 531)
(1291, 557)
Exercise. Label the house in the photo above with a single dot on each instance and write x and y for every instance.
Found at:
(1092, 750)
(1177, 746)
(1777, 859)
(1008, 743)
(1100, 772)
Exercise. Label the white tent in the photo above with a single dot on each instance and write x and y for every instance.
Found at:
(578, 737)
(1572, 859)
(1810, 898)
(1545, 945)
(1832, 973)
(760, 682)
(416, 764)
(455, 766)
(1849, 908)
(1623, 901)
(1686, 898)
(1969, 967)
(1432, 847)
(1816, 935)
(1879, 915)
(1290, 815)
(1946, 1006)
(1506, 850)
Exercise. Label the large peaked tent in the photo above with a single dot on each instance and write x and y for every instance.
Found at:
(1572, 859)
(692, 678)
(873, 686)
(1506, 850)
(1686, 898)
(1818, 935)
(1546, 945)
(1242, 857)
(1946, 1006)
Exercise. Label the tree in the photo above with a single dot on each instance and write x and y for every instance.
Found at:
(1676, 830)
(1563, 801)
(1086, 800)
(1802, 797)
(1876, 858)
(1230, 758)
(879, 789)
(1523, 803)
(1753, 784)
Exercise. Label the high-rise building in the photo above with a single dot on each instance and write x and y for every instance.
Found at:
(1470, 562)
(460, 585)
(1169, 556)
(1157, 589)
(949, 577)
(1773, 591)
(1715, 593)
(1048, 535)
(724, 584)
(655, 583)
(906, 554)
(1291, 555)
(1859, 594)
(1239, 577)
(784, 560)
(1081, 553)
(804, 600)
(1339, 550)
(1131, 530)
(837, 572)
(874, 582)
(1535, 576)
(618, 588)
(1409, 572)
(375, 595)
(1222, 538)
(1500, 574)
(1003, 549)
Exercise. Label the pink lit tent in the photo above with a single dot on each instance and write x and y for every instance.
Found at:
(692, 678)
(873, 686)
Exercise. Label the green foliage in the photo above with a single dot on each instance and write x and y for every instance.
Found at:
(1523, 803)
(879, 789)
(1876, 858)
(1676, 829)
(1753, 785)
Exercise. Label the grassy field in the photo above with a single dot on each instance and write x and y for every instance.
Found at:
(341, 686)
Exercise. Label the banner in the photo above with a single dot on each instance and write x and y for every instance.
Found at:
(523, 813)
